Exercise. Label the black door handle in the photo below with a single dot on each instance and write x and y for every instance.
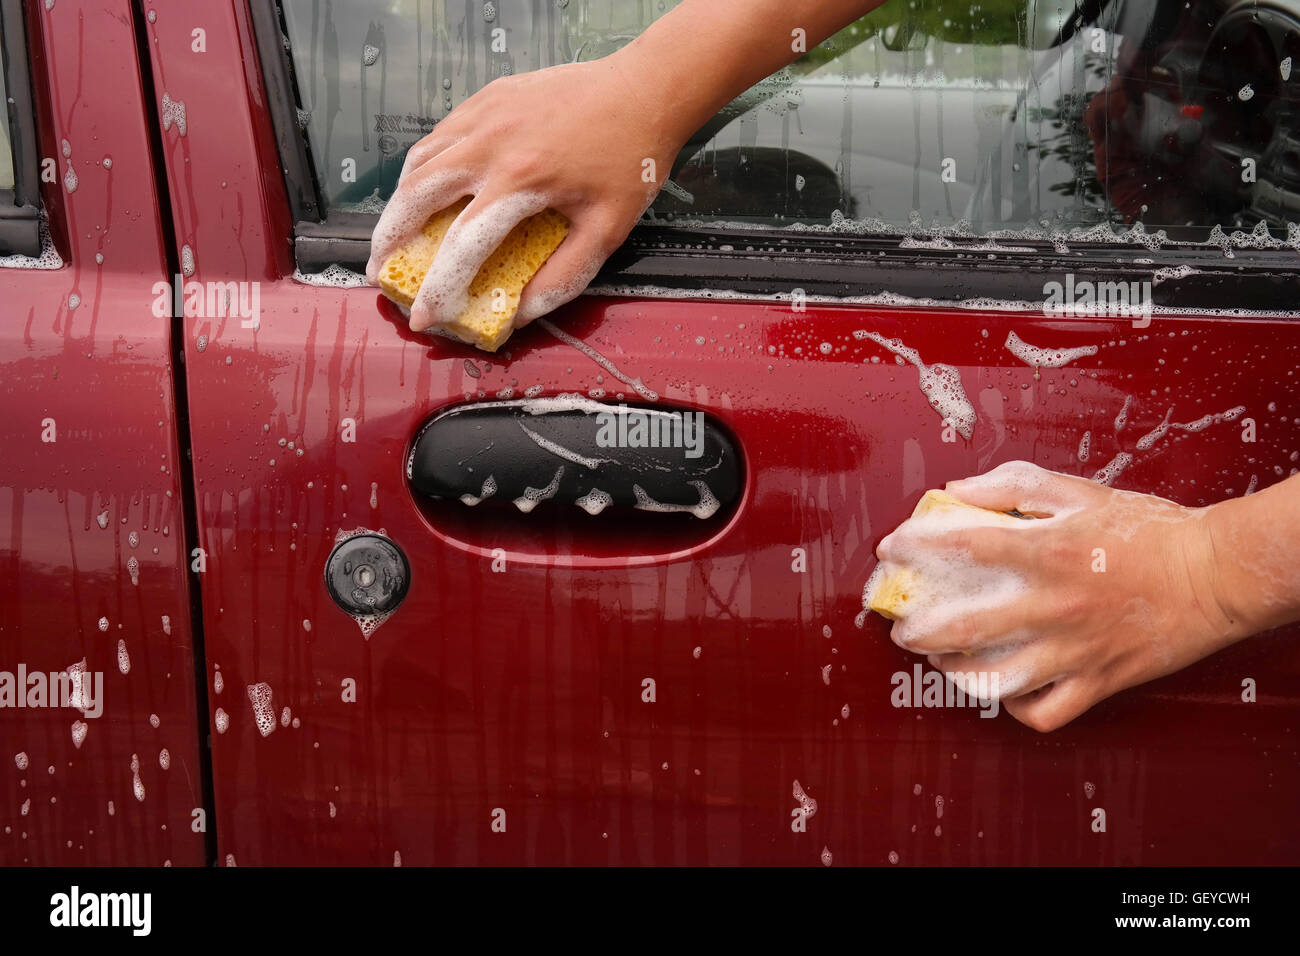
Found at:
(576, 453)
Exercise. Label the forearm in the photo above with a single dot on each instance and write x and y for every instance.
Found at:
(1256, 546)
(704, 53)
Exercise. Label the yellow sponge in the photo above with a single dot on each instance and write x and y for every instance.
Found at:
(488, 318)
(891, 593)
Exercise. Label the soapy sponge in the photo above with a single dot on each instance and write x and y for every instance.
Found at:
(488, 317)
(890, 594)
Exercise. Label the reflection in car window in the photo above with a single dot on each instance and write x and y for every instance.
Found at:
(929, 118)
(6, 150)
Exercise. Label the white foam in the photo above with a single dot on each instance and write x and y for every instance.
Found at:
(79, 730)
(20, 760)
(595, 501)
(1205, 421)
(560, 451)
(807, 805)
(79, 691)
(165, 759)
(704, 508)
(173, 113)
(532, 497)
(444, 293)
(409, 208)
(564, 402)
(49, 257)
(222, 720)
(1040, 357)
(137, 785)
(123, 658)
(489, 489)
(941, 385)
(1085, 446)
(333, 276)
(1122, 418)
(650, 395)
(1113, 469)
(948, 584)
(259, 697)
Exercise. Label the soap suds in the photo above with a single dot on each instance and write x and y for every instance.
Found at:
(1040, 357)
(941, 385)
(532, 497)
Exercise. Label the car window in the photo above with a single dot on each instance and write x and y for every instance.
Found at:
(926, 118)
(6, 145)
(20, 230)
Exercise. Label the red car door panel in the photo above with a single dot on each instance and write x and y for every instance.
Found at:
(593, 706)
(92, 529)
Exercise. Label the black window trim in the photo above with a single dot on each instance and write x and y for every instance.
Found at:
(20, 207)
(768, 262)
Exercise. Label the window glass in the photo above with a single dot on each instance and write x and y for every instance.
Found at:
(6, 150)
(927, 118)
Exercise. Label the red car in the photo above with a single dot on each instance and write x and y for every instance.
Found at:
(237, 494)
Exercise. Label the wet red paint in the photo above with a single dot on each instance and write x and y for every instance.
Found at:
(522, 691)
(102, 373)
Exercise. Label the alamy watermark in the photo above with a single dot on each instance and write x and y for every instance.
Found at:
(953, 689)
(75, 688)
(208, 300)
(1083, 298)
(643, 428)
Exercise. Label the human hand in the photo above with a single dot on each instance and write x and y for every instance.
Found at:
(1101, 591)
(575, 138)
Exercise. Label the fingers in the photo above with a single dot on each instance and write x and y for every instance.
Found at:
(567, 272)
(1007, 547)
(960, 628)
(475, 235)
(1010, 672)
(1051, 707)
(430, 189)
(426, 149)
(1025, 487)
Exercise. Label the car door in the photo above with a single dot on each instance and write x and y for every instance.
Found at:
(857, 325)
(92, 473)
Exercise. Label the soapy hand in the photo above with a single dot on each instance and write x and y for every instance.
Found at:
(575, 138)
(1100, 591)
